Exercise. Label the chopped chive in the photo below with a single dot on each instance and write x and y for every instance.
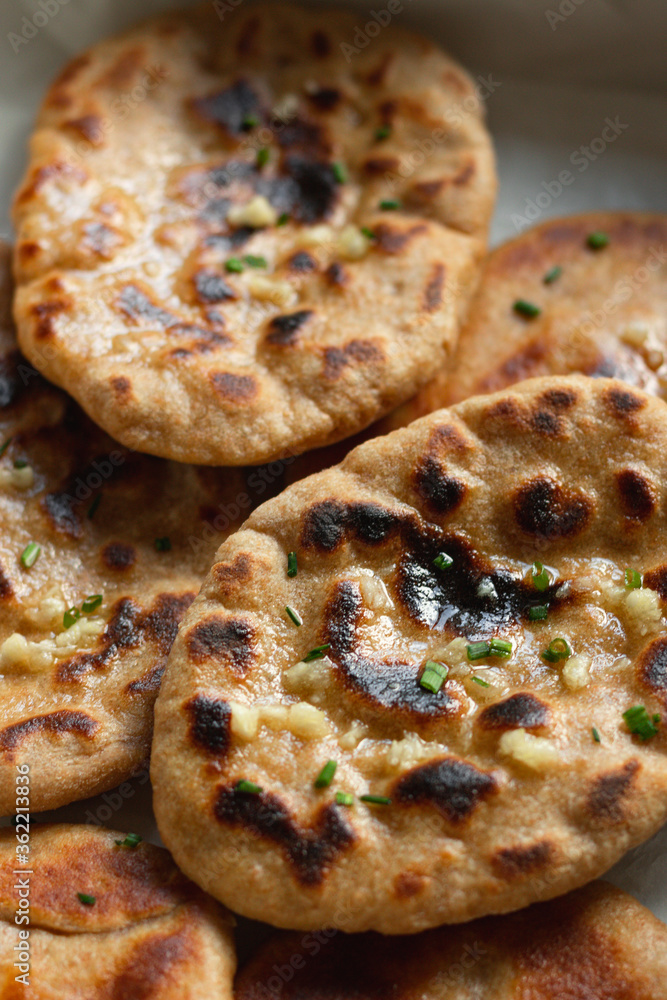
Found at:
(340, 172)
(250, 121)
(234, 265)
(481, 682)
(596, 735)
(292, 568)
(633, 579)
(325, 777)
(540, 576)
(293, 615)
(368, 233)
(317, 653)
(263, 157)
(249, 787)
(132, 840)
(434, 675)
(390, 205)
(538, 612)
(344, 799)
(478, 650)
(526, 309)
(20, 463)
(30, 554)
(284, 219)
(163, 544)
(252, 261)
(640, 723)
(375, 800)
(656, 718)
(552, 275)
(71, 617)
(94, 505)
(597, 240)
(443, 561)
(5, 445)
(91, 604)
(83, 897)
(383, 132)
(501, 647)
(558, 649)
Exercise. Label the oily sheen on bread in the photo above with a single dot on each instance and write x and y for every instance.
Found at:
(498, 775)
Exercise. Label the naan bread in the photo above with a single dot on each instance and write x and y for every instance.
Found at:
(500, 793)
(77, 703)
(603, 314)
(594, 944)
(148, 932)
(147, 177)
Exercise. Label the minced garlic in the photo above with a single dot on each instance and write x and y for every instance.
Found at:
(643, 605)
(280, 293)
(301, 719)
(535, 752)
(256, 213)
(576, 671)
(18, 479)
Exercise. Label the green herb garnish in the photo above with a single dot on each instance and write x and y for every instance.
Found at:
(292, 568)
(368, 233)
(500, 647)
(552, 275)
(633, 579)
(538, 612)
(598, 240)
(255, 261)
(20, 463)
(30, 554)
(263, 157)
(94, 505)
(83, 897)
(284, 219)
(5, 445)
(344, 799)
(250, 121)
(482, 683)
(433, 676)
(443, 561)
(340, 172)
(325, 777)
(596, 735)
(249, 787)
(234, 265)
(526, 309)
(375, 800)
(390, 205)
(132, 840)
(383, 132)
(71, 617)
(478, 650)
(317, 653)
(640, 723)
(293, 615)
(91, 604)
(163, 544)
(540, 576)
(558, 649)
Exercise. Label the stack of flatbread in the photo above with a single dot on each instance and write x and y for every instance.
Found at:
(357, 535)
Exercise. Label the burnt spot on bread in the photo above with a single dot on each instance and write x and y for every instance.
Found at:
(232, 108)
(336, 275)
(302, 262)
(652, 667)
(432, 297)
(137, 305)
(320, 44)
(328, 523)
(284, 330)
(231, 576)
(211, 287)
(623, 403)
(441, 492)
(316, 188)
(605, 801)
(210, 724)
(524, 363)
(121, 387)
(64, 722)
(148, 683)
(44, 314)
(408, 884)
(151, 967)
(89, 127)
(637, 495)
(656, 579)
(378, 76)
(377, 682)
(64, 513)
(232, 388)
(119, 556)
(12, 385)
(121, 73)
(325, 98)
(377, 166)
(519, 711)
(128, 628)
(229, 641)
(513, 863)
(454, 787)
(355, 352)
(6, 589)
(309, 850)
(393, 240)
(545, 509)
(50, 171)
(303, 136)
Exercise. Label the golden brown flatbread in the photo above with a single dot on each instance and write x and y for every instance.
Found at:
(594, 944)
(495, 780)
(106, 921)
(101, 552)
(235, 243)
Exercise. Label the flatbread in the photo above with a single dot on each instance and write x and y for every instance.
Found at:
(77, 703)
(500, 794)
(142, 166)
(148, 933)
(604, 315)
(594, 944)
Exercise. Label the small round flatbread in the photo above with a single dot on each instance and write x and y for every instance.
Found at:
(603, 310)
(514, 780)
(141, 929)
(193, 257)
(121, 543)
(593, 944)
